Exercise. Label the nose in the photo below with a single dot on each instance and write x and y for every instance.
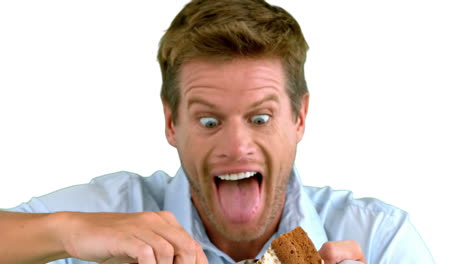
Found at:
(235, 143)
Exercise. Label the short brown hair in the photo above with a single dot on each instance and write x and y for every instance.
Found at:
(227, 29)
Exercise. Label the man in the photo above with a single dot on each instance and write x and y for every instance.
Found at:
(235, 102)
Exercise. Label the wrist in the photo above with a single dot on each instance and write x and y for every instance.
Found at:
(57, 225)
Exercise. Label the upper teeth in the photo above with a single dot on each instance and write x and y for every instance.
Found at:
(236, 176)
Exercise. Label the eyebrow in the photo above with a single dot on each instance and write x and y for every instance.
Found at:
(271, 97)
(196, 100)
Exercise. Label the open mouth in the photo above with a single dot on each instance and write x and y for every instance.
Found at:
(239, 195)
(238, 177)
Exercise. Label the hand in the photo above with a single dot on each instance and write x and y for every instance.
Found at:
(144, 238)
(336, 251)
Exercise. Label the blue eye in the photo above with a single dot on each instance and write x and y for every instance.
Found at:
(209, 122)
(260, 119)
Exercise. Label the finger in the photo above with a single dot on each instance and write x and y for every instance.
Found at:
(163, 250)
(119, 260)
(200, 256)
(168, 217)
(185, 247)
(132, 250)
(142, 252)
(186, 253)
(167, 227)
(337, 251)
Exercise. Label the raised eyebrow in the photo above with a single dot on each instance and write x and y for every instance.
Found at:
(193, 101)
(271, 97)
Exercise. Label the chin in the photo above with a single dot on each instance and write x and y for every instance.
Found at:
(242, 233)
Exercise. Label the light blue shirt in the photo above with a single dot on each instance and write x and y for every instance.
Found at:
(384, 232)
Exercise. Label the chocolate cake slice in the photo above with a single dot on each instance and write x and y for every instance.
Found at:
(293, 247)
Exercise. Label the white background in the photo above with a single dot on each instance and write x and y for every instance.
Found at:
(79, 97)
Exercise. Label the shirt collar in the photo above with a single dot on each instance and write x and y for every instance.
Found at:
(298, 211)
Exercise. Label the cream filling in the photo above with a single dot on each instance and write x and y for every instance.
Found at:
(270, 257)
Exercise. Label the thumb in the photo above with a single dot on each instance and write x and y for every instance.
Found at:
(201, 257)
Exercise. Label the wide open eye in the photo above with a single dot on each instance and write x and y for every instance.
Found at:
(209, 122)
(260, 119)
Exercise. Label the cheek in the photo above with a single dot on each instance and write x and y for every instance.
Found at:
(285, 138)
(279, 149)
(284, 151)
(193, 152)
(186, 154)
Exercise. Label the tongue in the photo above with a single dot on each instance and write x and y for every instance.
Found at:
(239, 199)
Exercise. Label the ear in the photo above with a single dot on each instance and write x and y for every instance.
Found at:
(170, 127)
(301, 117)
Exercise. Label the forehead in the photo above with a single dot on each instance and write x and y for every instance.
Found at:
(232, 76)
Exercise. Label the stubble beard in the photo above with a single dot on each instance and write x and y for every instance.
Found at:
(241, 235)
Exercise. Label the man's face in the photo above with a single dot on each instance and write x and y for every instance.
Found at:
(236, 136)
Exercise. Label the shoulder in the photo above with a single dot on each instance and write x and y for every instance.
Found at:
(342, 214)
(374, 224)
(383, 231)
(124, 179)
(117, 192)
(326, 198)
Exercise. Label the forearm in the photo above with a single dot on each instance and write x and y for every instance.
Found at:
(30, 238)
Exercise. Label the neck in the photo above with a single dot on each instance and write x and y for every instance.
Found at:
(240, 250)
(244, 249)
